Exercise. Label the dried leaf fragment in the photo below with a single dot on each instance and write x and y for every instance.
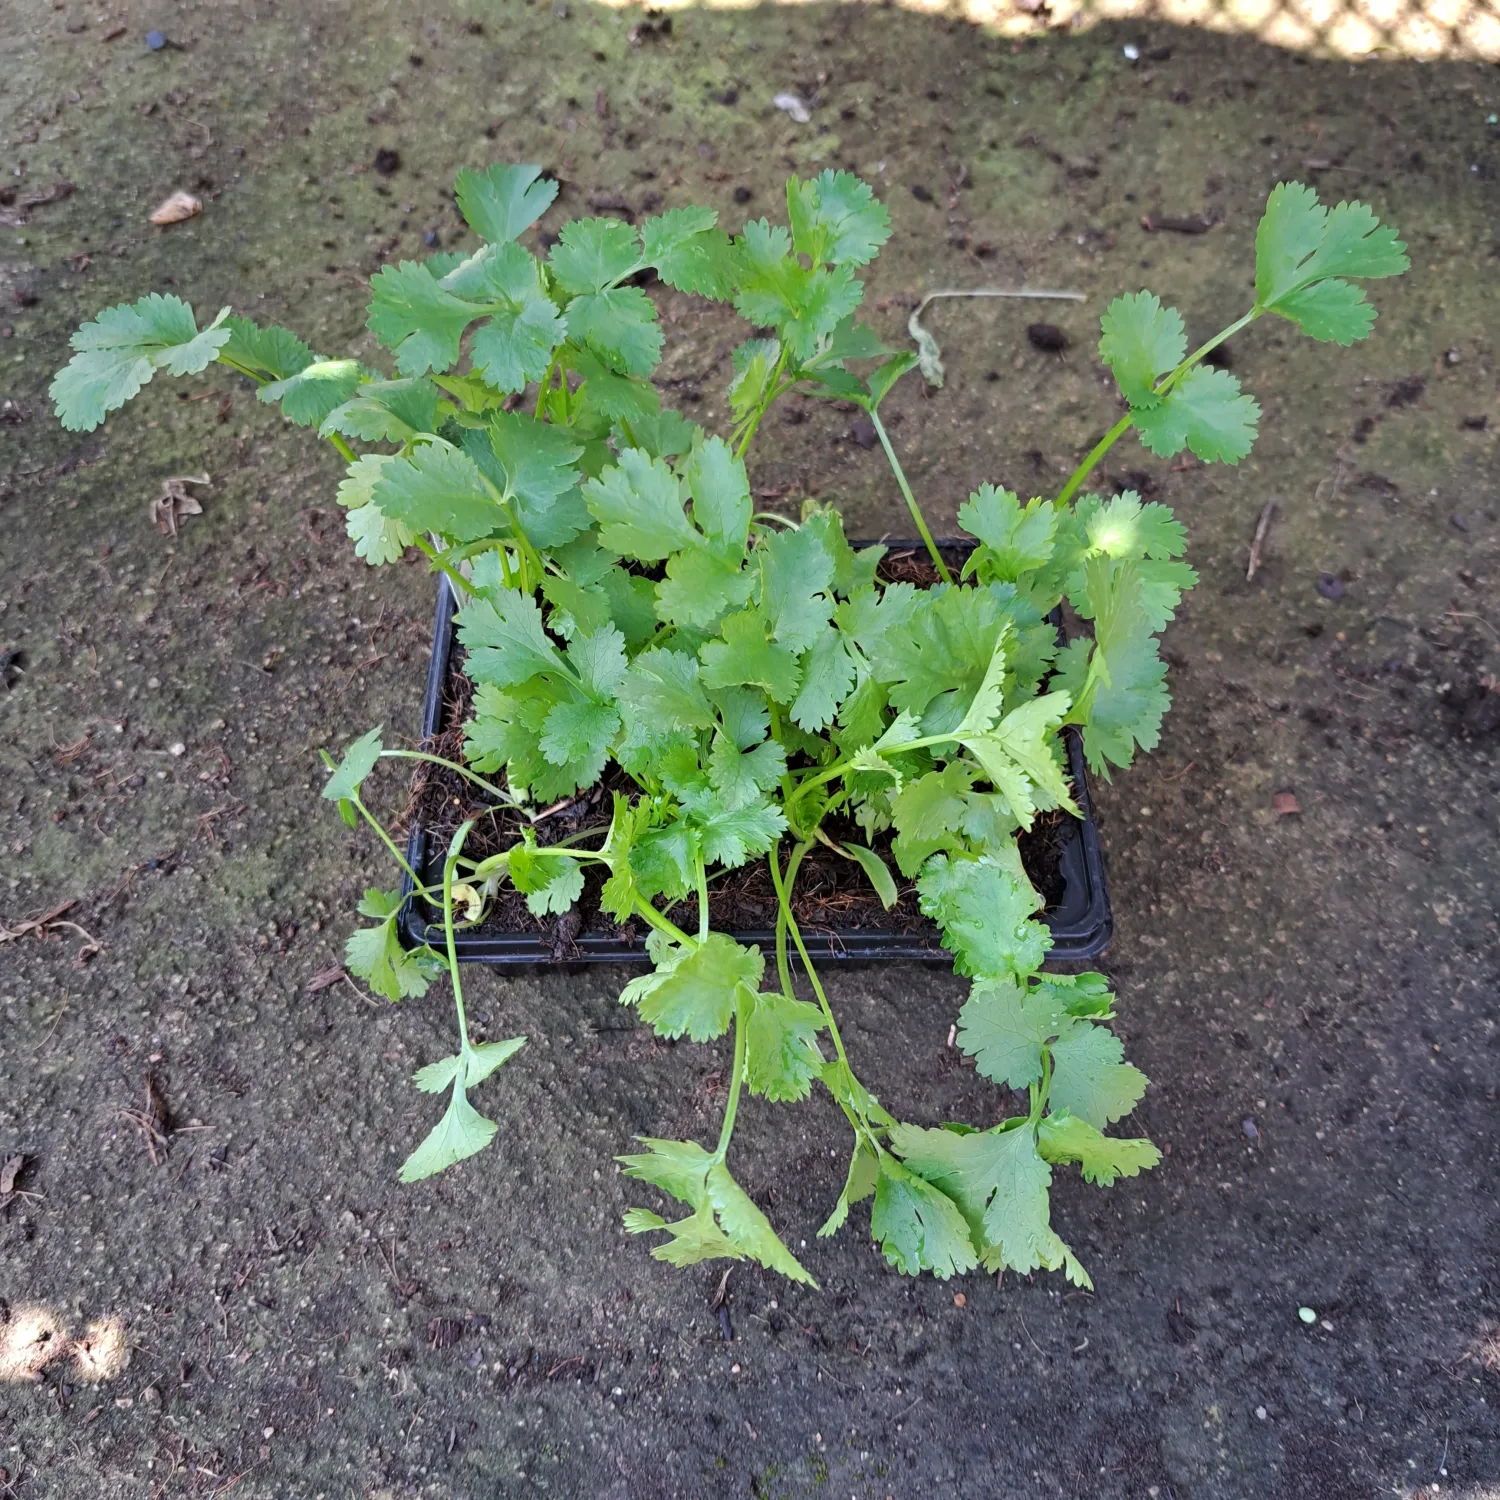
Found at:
(178, 207)
(175, 502)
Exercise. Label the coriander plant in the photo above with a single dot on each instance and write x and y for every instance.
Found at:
(755, 684)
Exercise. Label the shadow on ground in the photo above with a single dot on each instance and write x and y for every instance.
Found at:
(1312, 993)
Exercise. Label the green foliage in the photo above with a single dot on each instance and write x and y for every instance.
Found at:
(724, 1224)
(1302, 253)
(751, 686)
(123, 348)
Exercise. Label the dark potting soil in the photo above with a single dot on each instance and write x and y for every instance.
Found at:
(831, 892)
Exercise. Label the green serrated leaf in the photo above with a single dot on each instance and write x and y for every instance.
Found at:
(693, 991)
(1004, 1024)
(1141, 342)
(999, 1182)
(620, 327)
(359, 760)
(663, 688)
(1090, 1077)
(989, 696)
(534, 466)
(748, 1227)
(120, 350)
(506, 642)
(461, 1133)
(272, 353)
(638, 504)
(551, 883)
(701, 587)
(933, 648)
(375, 955)
(717, 481)
(742, 777)
(664, 434)
(859, 1184)
(1025, 741)
(307, 397)
(392, 411)
(1017, 539)
(378, 903)
(411, 314)
(1204, 411)
(776, 290)
(782, 1059)
(577, 734)
(917, 1226)
(985, 911)
(797, 572)
(501, 202)
(437, 1076)
(929, 812)
(754, 365)
(1104, 1159)
(524, 328)
(377, 539)
(438, 488)
(1333, 312)
(626, 398)
(828, 673)
(1124, 528)
(746, 657)
(836, 219)
(1298, 242)
(688, 252)
(594, 254)
(731, 835)
(1117, 685)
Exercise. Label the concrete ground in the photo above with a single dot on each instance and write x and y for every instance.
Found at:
(1313, 993)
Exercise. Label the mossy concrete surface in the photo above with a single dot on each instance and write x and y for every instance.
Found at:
(1312, 992)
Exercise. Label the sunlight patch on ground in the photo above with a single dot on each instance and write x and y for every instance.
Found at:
(1396, 29)
(33, 1337)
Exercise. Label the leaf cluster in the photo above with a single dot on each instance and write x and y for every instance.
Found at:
(754, 680)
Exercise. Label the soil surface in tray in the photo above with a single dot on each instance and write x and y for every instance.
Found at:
(831, 892)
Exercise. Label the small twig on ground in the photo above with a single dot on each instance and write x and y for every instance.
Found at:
(206, 820)
(1261, 528)
(1033, 1342)
(51, 1030)
(46, 926)
(1459, 614)
(151, 1122)
(929, 356)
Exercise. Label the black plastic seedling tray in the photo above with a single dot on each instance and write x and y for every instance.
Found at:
(1080, 923)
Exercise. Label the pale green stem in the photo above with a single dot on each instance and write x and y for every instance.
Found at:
(438, 561)
(458, 990)
(701, 874)
(911, 499)
(737, 1075)
(386, 839)
(662, 924)
(452, 765)
(784, 904)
